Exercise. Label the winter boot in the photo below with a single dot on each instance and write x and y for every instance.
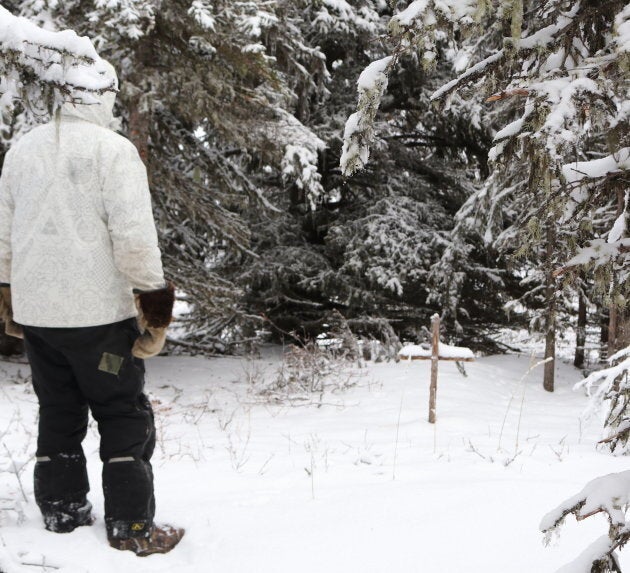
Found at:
(161, 539)
(61, 485)
(66, 517)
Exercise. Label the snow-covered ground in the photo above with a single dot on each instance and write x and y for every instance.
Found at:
(356, 481)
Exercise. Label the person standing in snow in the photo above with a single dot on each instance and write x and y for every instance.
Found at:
(78, 253)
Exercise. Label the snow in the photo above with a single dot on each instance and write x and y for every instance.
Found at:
(56, 58)
(511, 129)
(374, 74)
(619, 228)
(609, 494)
(460, 11)
(413, 11)
(254, 25)
(546, 36)
(344, 9)
(386, 492)
(345, 18)
(444, 351)
(16, 31)
(597, 495)
(351, 147)
(201, 11)
(579, 170)
(599, 383)
(584, 562)
(476, 69)
(300, 165)
(622, 30)
(561, 94)
(372, 83)
(599, 252)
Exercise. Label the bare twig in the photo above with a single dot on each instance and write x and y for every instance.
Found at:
(17, 473)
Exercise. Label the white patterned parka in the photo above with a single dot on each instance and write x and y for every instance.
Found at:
(77, 233)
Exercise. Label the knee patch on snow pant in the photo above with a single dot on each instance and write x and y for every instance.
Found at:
(61, 485)
(129, 500)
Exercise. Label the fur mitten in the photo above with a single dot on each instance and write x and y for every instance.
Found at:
(6, 313)
(154, 315)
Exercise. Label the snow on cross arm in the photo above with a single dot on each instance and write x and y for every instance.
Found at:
(414, 351)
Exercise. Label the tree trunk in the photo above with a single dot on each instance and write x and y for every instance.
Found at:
(139, 126)
(619, 324)
(603, 337)
(550, 319)
(138, 106)
(618, 330)
(435, 352)
(580, 338)
(550, 352)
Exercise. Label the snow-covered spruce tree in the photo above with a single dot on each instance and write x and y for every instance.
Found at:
(606, 494)
(295, 280)
(349, 252)
(562, 63)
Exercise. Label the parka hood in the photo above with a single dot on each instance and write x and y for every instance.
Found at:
(101, 111)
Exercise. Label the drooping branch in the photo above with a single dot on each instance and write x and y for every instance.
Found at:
(50, 67)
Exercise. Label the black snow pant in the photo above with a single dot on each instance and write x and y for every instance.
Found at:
(92, 367)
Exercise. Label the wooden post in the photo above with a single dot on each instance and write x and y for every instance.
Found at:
(435, 353)
(454, 353)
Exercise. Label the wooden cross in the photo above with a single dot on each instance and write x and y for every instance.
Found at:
(438, 352)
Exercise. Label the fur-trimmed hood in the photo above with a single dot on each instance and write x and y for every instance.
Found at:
(101, 112)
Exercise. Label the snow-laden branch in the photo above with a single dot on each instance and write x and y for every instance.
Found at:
(598, 252)
(44, 66)
(420, 26)
(300, 159)
(582, 171)
(536, 41)
(420, 21)
(469, 75)
(611, 384)
(609, 494)
(359, 131)
(299, 165)
(342, 17)
(622, 29)
(201, 11)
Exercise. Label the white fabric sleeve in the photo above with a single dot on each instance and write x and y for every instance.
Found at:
(127, 202)
(6, 220)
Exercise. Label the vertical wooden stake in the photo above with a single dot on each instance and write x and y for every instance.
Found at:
(435, 351)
